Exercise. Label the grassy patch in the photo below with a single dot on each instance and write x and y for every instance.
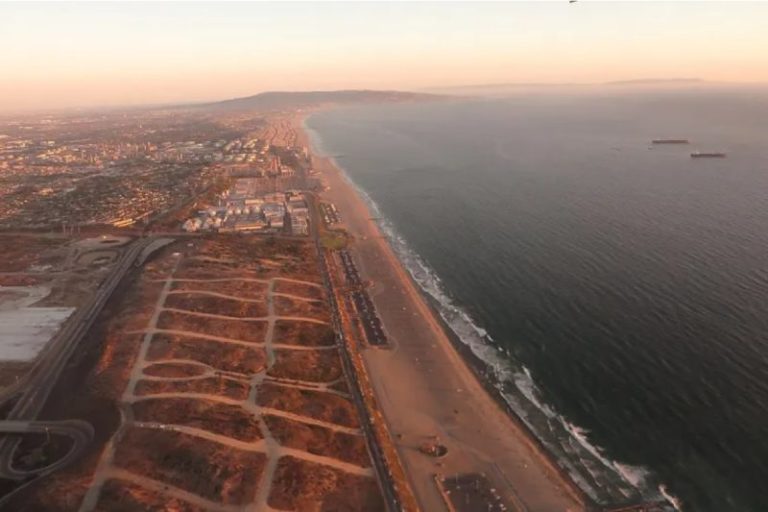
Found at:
(334, 240)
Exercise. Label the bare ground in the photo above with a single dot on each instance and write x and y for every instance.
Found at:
(305, 486)
(208, 469)
(307, 365)
(174, 370)
(224, 419)
(304, 333)
(220, 355)
(122, 496)
(193, 301)
(314, 404)
(300, 308)
(245, 330)
(219, 386)
(319, 440)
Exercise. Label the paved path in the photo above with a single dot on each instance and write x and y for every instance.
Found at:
(268, 444)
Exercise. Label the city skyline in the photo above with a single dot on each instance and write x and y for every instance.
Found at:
(68, 55)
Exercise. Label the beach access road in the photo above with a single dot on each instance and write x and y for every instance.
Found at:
(425, 389)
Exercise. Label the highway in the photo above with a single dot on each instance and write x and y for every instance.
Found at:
(46, 372)
(81, 433)
(384, 477)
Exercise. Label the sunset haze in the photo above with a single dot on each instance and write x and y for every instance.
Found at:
(71, 55)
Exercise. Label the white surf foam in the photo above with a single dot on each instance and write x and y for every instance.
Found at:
(483, 346)
(524, 383)
(674, 500)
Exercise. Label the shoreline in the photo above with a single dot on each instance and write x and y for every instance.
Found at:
(476, 364)
(562, 493)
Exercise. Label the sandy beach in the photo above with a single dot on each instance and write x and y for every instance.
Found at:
(426, 389)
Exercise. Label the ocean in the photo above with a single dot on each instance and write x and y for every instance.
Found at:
(617, 290)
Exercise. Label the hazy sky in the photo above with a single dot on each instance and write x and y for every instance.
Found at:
(73, 54)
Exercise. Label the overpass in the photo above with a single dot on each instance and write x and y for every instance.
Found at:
(33, 391)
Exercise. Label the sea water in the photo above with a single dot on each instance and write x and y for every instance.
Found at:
(617, 289)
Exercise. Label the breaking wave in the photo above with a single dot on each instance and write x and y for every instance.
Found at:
(601, 478)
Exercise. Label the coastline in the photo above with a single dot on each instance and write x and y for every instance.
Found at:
(512, 457)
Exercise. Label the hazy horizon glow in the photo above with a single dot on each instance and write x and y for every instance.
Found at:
(76, 54)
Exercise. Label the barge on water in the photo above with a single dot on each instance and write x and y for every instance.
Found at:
(707, 154)
(670, 141)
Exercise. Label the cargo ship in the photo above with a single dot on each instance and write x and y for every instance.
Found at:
(707, 154)
(670, 141)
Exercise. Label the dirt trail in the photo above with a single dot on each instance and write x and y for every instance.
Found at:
(215, 294)
(296, 297)
(268, 444)
(201, 336)
(265, 486)
(107, 458)
(169, 490)
(210, 371)
(309, 386)
(243, 279)
(246, 318)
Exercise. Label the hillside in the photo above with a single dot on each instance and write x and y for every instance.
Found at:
(283, 100)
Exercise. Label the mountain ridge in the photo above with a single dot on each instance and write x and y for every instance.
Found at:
(293, 99)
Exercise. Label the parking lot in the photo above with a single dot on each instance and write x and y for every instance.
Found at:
(330, 214)
(366, 311)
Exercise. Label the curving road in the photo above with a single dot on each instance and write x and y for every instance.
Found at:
(81, 433)
(39, 383)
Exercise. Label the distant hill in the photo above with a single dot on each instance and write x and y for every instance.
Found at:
(283, 100)
(657, 81)
(507, 88)
(498, 89)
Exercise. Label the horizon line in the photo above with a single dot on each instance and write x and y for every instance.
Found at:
(422, 90)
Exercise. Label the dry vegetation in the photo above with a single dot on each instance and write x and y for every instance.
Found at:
(223, 356)
(174, 370)
(121, 496)
(303, 290)
(92, 385)
(302, 485)
(200, 303)
(307, 334)
(244, 330)
(23, 251)
(210, 470)
(246, 289)
(193, 438)
(300, 308)
(219, 386)
(251, 257)
(320, 440)
(306, 365)
(228, 420)
(319, 405)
